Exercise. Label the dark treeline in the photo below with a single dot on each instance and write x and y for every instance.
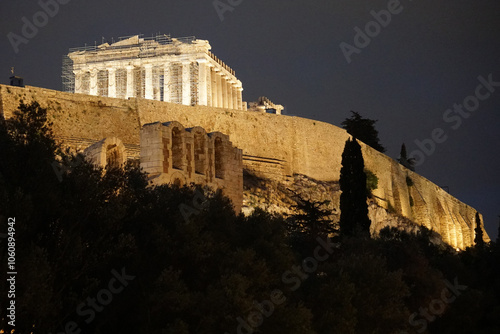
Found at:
(99, 251)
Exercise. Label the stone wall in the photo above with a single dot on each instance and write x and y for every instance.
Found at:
(77, 116)
(172, 154)
(297, 145)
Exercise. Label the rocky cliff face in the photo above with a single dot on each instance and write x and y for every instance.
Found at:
(277, 197)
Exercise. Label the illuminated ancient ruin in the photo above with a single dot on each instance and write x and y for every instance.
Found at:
(177, 70)
(172, 154)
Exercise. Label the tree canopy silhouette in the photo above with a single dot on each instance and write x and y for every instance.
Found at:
(311, 218)
(363, 129)
(219, 272)
(479, 238)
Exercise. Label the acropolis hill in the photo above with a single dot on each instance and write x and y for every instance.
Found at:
(277, 148)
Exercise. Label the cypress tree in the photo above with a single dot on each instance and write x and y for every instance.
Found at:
(354, 219)
(498, 234)
(478, 240)
(404, 160)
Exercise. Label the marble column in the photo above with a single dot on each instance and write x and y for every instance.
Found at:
(166, 83)
(148, 84)
(186, 83)
(225, 90)
(78, 81)
(220, 101)
(93, 81)
(130, 82)
(111, 82)
(235, 97)
(215, 94)
(230, 94)
(208, 75)
(240, 98)
(202, 82)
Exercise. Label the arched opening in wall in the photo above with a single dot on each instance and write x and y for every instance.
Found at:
(219, 158)
(113, 157)
(176, 148)
(468, 231)
(444, 224)
(199, 153)
(178, 182)
(102, 83)
(166, 153)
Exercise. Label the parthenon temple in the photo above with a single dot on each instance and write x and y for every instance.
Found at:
(177, 70)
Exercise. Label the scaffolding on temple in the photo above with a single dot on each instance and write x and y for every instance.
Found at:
(174, 84)
(194, 75)
(167, 78)
(68, 77)
(121, 83)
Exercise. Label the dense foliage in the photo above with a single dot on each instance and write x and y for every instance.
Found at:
(363, 129)
(98, 251)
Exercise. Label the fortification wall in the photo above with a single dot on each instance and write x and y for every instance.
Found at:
(78, 116)
(408, 194)
(309, 147)
(300, 145)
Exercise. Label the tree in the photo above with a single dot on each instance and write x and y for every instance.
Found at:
(27, 136)
(404, 160)
(30, 125)
(478, 240)
(219, 272)
(353, 206)
(498, 234)
(357, 292)
(184, 277)
(312, 218)
(371, 181)
(363, 129)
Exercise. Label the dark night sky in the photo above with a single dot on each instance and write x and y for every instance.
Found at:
(428, 58)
